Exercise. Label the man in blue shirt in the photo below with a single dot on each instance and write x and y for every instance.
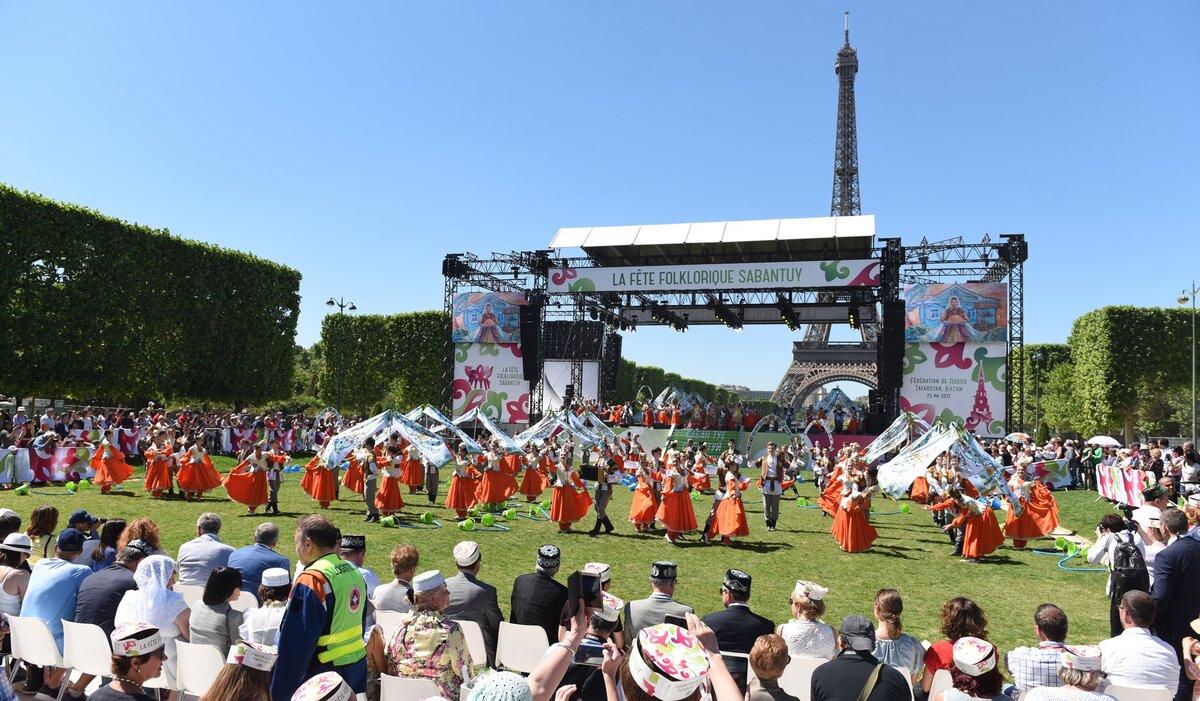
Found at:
(51, 596)
(253, 560)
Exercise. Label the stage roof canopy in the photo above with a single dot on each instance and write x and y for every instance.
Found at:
(762, 239)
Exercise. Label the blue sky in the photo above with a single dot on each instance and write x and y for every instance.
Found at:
(360, 142)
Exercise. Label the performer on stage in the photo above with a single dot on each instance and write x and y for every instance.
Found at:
(981, 532)
(570, 502)
(364, 464)
(1039, 515)
(387, 499)
(158, 467)
(729, 518)
(461, 495)
(319, 482)
(645, 502)
(247, 483)
(851, 529)
(675, 511)
(196, 472)
(771, 468)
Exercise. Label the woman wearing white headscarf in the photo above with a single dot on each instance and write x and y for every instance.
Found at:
(154, 602)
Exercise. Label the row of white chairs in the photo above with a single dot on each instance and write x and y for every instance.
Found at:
(192, 593)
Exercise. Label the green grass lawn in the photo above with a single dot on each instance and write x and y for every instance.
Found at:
(911, 555)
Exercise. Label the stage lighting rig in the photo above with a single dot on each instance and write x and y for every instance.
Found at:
(787, 313)
(724, 314)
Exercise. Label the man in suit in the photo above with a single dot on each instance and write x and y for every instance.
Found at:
(652, 610)
(537, 599)
(473, 600)
(1176, 590)
(845, 676)
(737, 627)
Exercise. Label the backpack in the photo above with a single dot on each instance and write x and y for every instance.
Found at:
(1128, 568)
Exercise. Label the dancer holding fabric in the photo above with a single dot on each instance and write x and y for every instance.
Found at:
(197, 475)
(388, 500)
(1039, 514)
(412, 471)
(980, 531)
(851, 529)
(534, 479)
(319, 482)
(247, 483)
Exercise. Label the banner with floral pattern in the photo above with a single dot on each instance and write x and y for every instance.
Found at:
(490, 377)
(962, 383)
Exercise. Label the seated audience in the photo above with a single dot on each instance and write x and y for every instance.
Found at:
(1079, 678)
(806, 634)
(961, 618)
(214, 621)
(974, 673)
(138, 653)
(261, 625)
(1039, 666)
(156, 603)
(426, 644)
(768, 658)
(892, 645)
(1137, 657)
(393, 595)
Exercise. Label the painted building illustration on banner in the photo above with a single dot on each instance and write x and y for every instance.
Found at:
(487, 317)
(973, 312)
(490, 376)
(962, 383)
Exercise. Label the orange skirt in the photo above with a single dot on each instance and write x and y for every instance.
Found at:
(158, 476)
(495, 487)
(461, 495)
(920, 490)
(353, 479)
(675, 512)
(249, 488)
(981, 535)
(832, 496)
(644, 506)
(1039, 518)
(412, 473)
(701, 482)
(320, 483)
(198, 477)
(113, 470)
(568, 505)
(533, 482)
(388, 499)
(731, 519)
(852, 531)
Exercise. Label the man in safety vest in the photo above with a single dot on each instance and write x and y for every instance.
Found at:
(322, 629)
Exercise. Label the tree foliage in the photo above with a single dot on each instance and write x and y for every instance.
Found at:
(631, 377)
(97, 307)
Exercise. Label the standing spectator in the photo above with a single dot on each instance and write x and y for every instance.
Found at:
(1038, 666)
(1176, 589)
(201, 555)
(52, 593)
(737, 627)
(961, 618)
(537, 599)
(393, 596)
(854, 674)
(214, 622)
(255, 559)
(472, 599)
(1137, 657)
(768, 658)
(427, 644)
(806, 635)
(654, 609)
(1115, 546)
(892, 646)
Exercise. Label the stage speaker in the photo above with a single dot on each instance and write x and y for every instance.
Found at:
(891, 346)
(531, 340)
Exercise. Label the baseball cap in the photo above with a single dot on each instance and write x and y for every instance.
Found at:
(71, 540)
(858, 632)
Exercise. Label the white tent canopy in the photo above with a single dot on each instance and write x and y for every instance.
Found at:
(897, 475)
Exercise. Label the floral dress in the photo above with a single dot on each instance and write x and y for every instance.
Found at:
(427, 645)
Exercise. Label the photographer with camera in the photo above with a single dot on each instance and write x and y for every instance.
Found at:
(1120, 547)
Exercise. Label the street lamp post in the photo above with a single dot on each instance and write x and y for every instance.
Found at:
(1185, 297)
(1037, 396)
(342, 306)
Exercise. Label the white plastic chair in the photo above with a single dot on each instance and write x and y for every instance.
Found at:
(86, 649)
(1138, 693)
(406, 688)
(197, 666)
(519, 648)
(190, 592)
(33, 643)
(245, 600)
(388, 622)
(475, 642)
(797, 676)
(908, 676)
(941, 682)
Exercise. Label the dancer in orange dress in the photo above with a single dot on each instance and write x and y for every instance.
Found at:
(496, 485)
(1039, 515)
(389, 500)
(675, 511)
(730, 521)
(158, 467)
(699, 477)
(461, 495)
(247, 483)
(319, 482)
(366, 465)
(645, 503)
(534, 479)
(571, 501)
(196, 472)
(851, 529)
(352, 478)
(412, 471)
(109, 464)
(981, 531)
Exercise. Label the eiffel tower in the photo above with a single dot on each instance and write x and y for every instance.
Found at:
(814, 361)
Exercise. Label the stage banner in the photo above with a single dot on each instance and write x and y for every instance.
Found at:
(973, 312)
(718, 276)
(1123, 486)
(960, 383)
(487, 317)
(1052, 472)
(490, 376)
